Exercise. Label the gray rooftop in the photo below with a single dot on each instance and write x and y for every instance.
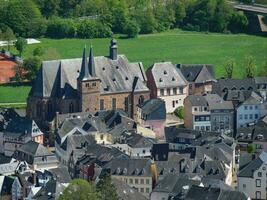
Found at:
(58, 78)
(167, 75)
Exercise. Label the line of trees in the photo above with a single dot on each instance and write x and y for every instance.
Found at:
(250, 68)
(101, 18)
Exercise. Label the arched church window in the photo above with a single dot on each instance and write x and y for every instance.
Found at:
(71, 108)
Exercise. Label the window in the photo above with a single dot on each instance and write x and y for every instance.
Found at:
(246, 116)
(181, 90)
(126, 104)
(136, 181)
(168, 92)
(258, 195)
(39, 109)
(245, 107)
(258, 183)
(256, 107)
(256, 116)
(94, 84)
(244, 186)
(87, 85)
(131, 180)
(161, 92)
(71, 108)
(49, 107)
(147, 181)
(207, 128)
(250, 116)
(259, 174)
(102, 104)
(240, 116)
(250, 107)
(174, 91)
(147, 190)
(141, 99)
(195, 109)
(142, 190)
(114, 104)
(173, 104)
(142, 181)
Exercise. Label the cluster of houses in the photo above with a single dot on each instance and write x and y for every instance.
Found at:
(96, 116)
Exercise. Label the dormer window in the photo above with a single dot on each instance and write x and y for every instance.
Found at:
(126, 78)
(160, 80)
(165, 72)
(117, 67)
(114, 79)
(103, 68)
(173, 79)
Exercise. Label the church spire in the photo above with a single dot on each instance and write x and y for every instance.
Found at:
(91, 64)
(84, 73)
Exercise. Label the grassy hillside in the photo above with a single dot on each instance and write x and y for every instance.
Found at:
(176, 46)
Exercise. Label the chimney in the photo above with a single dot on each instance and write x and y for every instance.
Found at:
(113, 50)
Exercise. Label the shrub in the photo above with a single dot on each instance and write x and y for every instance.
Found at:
(61, 28)
(179, 112)
(93, 29)
(132, 29)
(251, 148)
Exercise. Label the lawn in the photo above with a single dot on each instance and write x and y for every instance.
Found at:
(176, 46)
(13, 94)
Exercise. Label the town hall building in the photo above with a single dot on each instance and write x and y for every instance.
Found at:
(87, 85)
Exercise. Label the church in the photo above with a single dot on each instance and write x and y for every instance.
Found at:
(87, 84)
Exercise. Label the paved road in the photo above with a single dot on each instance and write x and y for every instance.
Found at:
(251, 8)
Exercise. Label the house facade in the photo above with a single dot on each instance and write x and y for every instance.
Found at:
(251, 110)
(209, 113)
(252, 178)
(87, 85)
(200, 77)
(167, 83)
(17, 131)
(152, 114)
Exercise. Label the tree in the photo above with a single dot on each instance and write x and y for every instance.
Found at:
(179, 112)
(238, 22)
(18, 69)
(38, 51)
(251, 148)
(263, 71)
(250, 67)
(79, 189)
(24, 18)
(106, 189)
(20, 45)
(180, 13)
(132, 29)
(229, 68)
(9, 36)
(31, 66)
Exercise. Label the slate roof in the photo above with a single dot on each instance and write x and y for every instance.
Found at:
(235, 86)
(215, 102)
(253, 99)
(206, 193)
(34, 149)
(173, 184)
(253, 165)
(154, 109)
(138, 141)
(60, 174)
(124, 191)
(197, 100)
(6, 185)
(58, 78)
(260, 80)
(166, 75)
(51, 190)
(198, 73)
(130, 167)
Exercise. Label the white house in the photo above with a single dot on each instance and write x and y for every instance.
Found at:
(251, 110)
(167, 82)
(252, 179)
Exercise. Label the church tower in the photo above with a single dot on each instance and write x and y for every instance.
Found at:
(88, 85)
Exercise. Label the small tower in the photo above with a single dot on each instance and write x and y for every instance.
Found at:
(113, 50)
(88, 85)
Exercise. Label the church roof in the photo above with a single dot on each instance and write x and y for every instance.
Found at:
(58, 78)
